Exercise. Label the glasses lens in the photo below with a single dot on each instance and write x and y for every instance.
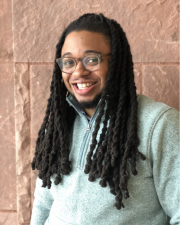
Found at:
(67, 65)
(91, 62)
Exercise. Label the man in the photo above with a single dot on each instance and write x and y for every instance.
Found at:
(94, 132)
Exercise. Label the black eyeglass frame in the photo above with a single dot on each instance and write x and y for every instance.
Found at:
(81, 59)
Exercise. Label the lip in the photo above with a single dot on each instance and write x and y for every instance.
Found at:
(83, 91)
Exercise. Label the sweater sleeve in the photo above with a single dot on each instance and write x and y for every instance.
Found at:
(42, 204)
(166, 163)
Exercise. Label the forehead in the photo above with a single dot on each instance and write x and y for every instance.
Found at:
(78, 42)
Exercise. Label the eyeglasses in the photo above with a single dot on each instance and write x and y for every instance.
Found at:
(90, 62)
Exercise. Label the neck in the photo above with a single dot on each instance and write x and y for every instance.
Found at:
(90, 112)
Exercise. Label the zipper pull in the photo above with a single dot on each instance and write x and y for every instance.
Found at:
(88, 127)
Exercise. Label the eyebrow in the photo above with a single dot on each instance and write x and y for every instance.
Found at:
(87, 51)
(67, 53)
(92, 51)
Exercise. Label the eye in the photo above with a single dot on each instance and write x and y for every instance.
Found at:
(91, 60)
(68, 63)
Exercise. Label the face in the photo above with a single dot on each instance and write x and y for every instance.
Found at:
(83, 84)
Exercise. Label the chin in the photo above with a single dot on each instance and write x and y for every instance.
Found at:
(91, 104)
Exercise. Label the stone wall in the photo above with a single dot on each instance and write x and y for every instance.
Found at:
(29, 31)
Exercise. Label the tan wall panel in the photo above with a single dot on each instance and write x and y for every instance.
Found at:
(8, 218)
(151, 27)
(23, 155)
(7, 139)
(138, 77)
(6, 38)
(161, 83)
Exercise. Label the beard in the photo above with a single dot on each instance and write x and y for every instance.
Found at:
(87, 104)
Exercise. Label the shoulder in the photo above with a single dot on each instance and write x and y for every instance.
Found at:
(156, 120)
(150, 111)
(146, 105)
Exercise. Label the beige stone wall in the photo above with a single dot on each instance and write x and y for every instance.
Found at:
(29, 31)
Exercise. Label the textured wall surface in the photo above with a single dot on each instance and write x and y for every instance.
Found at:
(29, 31)
(8, 194)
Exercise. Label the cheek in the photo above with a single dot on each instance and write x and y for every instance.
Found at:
(66, 80)
(104, 74)
(65, 77)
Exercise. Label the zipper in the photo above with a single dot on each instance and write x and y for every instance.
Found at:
(83, 145)
(88, 130)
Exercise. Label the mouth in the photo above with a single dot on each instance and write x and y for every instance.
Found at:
(83, 88)
(84, 85)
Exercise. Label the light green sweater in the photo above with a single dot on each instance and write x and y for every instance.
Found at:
(154, 192)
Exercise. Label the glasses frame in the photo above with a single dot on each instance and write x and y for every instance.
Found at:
(100, 56)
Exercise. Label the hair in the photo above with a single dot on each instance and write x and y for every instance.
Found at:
(107, 159)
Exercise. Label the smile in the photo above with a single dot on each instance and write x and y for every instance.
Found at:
(84, 88)
(84, 85)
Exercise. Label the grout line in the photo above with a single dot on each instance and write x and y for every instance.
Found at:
(142, 79)
(52, 63)
(29, 76)
(15, 108)
(12, 28)
(157, 63)
(7, 62)
(8, 211)
(36, 63)
(41, 63)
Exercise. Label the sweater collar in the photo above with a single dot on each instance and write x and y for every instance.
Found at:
(72, 103)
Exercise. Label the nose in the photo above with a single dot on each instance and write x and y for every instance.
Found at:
(80, 70)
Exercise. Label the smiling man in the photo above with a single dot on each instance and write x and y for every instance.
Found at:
(105, 155)
(85, 80)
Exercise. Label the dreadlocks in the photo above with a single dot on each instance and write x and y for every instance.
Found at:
(118, 144)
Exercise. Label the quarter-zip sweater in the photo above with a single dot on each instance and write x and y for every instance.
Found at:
(154, 191)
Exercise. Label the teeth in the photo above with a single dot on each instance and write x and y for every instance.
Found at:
(84, 85)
